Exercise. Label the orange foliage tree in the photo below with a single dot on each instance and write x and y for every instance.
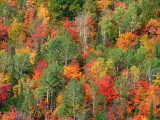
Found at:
(106, 88)
(72, 71)
(126, 41)
(152, 95)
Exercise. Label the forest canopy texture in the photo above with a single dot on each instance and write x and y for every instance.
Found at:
(80, 59)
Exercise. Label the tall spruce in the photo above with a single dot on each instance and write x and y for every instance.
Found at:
(38, 52)
(151, 115)
(136, 110)
(98, 38)
(12, 72)
(157, 51)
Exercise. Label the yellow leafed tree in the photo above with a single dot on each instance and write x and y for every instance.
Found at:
(43, 14)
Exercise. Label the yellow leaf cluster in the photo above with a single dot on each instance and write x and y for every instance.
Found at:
(99, 69)
(135, 74)
(14, 32)
(125, 41)
(157, 80)
(72, 71)
(15, 88)
(43, 14)
(153, 22)
(22, 50)
(147, 43)
(59, 98)
(4, 78)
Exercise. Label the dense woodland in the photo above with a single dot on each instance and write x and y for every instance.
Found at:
(80, 59)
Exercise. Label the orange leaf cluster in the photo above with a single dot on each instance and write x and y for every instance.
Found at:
(126, 41)
(72, 71)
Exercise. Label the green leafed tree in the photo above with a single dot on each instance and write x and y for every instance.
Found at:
(118, 16)
(61, 48)
(50, 79)
(72, 99)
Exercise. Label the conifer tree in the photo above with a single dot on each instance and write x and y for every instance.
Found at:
(38, 52)
(98, 38)
(136, 110)
(151, 115)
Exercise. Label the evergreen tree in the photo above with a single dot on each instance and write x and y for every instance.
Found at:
(138, 43)
(157, 50)
(136, 110)
(12, 72)
(151, 115)
(98, 38)
(38, 52)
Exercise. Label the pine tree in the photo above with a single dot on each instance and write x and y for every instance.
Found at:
(138, 43)
(38, 52)
(98, 38)
(136, 110)
(12, 72)
(156, 50)
(151, 116)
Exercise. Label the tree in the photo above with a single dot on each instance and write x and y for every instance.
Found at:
(156, 81)
(116, 55)
(86, 29)
(98, 38)
(6, 11)
(135, 75)
(150, 66)
(126, 41)
(90, 57)
(4, 88)
(61, 48)
(72, 71)
(136, 110)
(146, 9)
(106, 88)
(97, 115)
(50, 79)
(103, 115)
(22, 65)
(106, 27)
(43, 14)
(38, 56)
(151, 116)
(157, 50)
(132, 20)
(118, 16)
(59, 9)
(13, 33)
(73, 98)
(122, 88)
(99, 69)
(140, 55)
(3, 31)
(129, 58)
(90, 7)
(4, 61)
